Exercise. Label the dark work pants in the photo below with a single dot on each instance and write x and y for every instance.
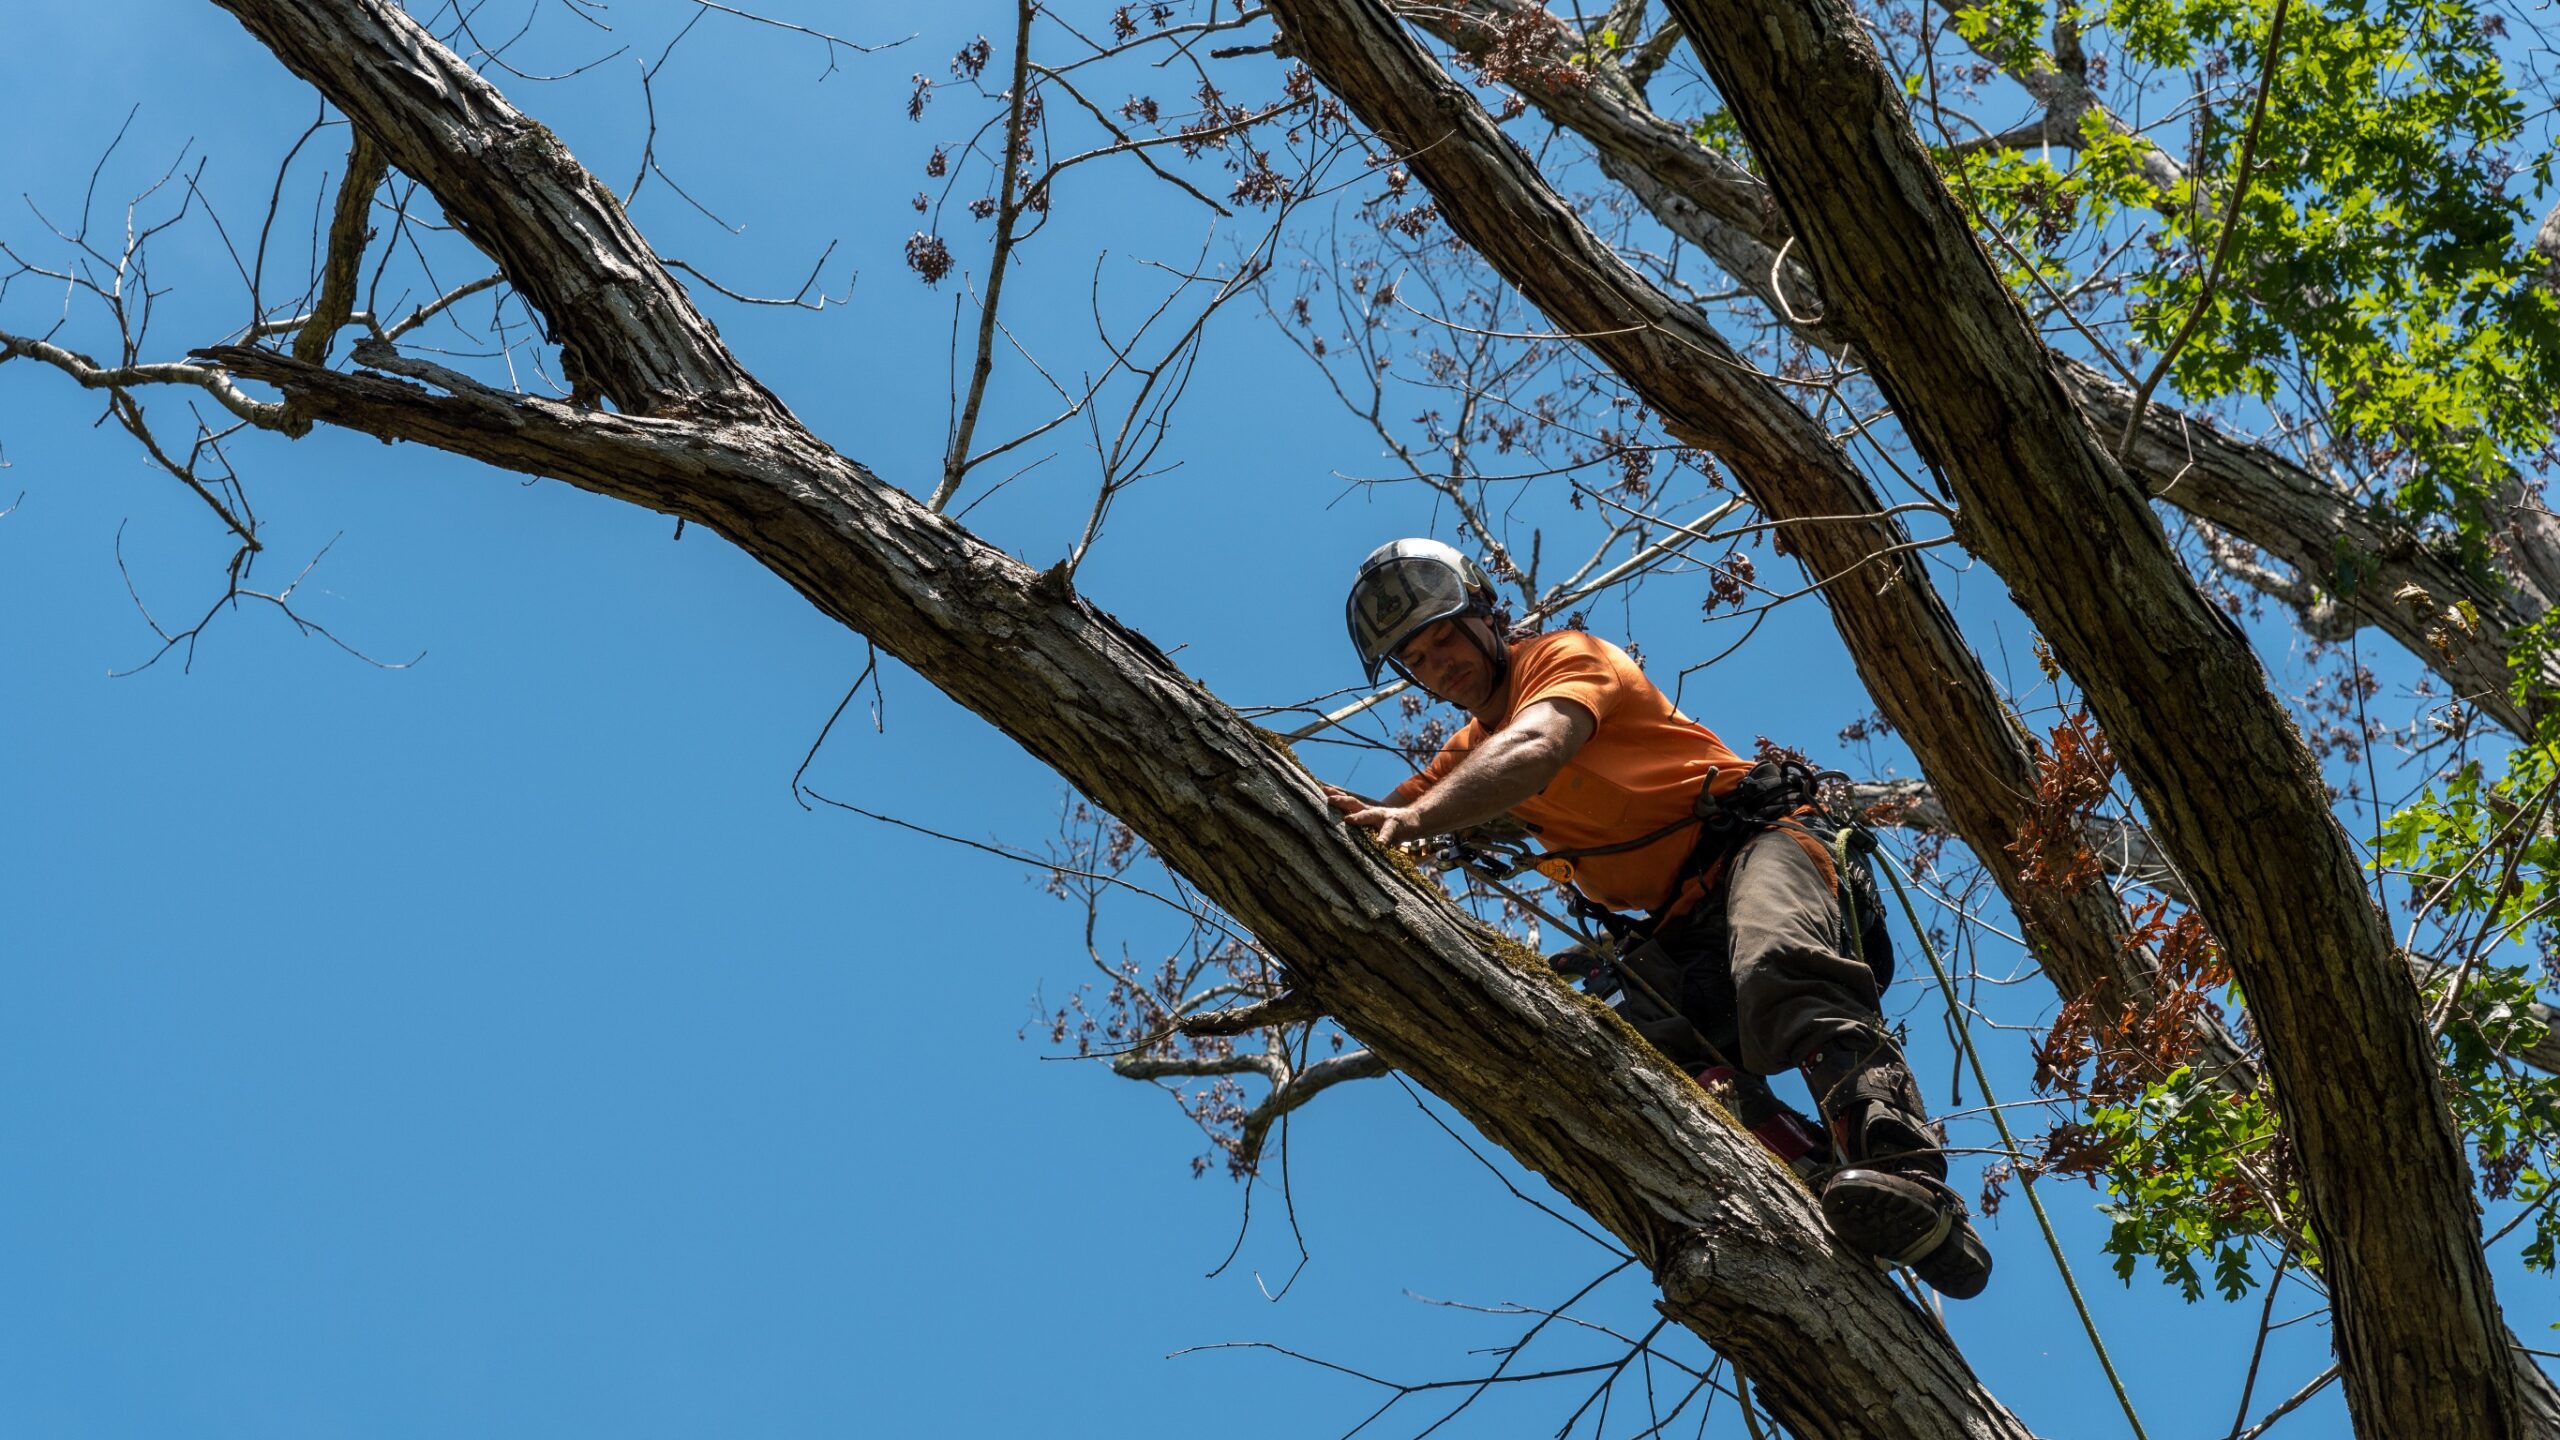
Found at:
(1760, 971)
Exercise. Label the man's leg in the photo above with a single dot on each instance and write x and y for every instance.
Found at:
(1680, 998)
(1805, 1003)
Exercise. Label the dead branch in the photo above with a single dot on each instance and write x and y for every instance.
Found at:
(349, 233)
(1290, 1007)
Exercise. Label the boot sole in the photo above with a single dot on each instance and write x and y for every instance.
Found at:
(1959, 1268)
(1903, 1222)
(1887, 1216)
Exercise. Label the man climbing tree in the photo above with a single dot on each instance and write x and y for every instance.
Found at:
(2375, 1200)
(1747, 962)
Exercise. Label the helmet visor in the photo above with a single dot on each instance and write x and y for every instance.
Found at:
(1393, 600)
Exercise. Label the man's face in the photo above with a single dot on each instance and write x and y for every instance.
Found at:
(1449, 663)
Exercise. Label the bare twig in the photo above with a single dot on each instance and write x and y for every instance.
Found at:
(232, 595)
(1192, 910)
(2222, 247)
(870, 671)
(2318, 1383)
(213, 380)
(833, 42)
(955, 460)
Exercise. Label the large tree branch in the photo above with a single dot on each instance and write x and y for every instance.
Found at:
(626, 329)
(1700, 195)
(1557, 1080)
(1541, 1071)
(1561, 1086)
(2209, 751)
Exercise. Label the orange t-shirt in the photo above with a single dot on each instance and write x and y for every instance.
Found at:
(1639, 772)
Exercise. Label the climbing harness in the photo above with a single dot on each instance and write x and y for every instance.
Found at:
(1893, 1206)
(1614, 952)
(1773, 794)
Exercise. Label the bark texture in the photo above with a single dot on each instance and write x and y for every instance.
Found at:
(2258, 495)
(1555, 1079)
(627, 331)
(2235, 799)
(1558, 1081)
(1705, 197)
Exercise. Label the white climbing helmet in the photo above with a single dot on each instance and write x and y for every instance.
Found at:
(1405, 585)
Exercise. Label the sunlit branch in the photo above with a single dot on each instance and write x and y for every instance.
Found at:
(91, 375)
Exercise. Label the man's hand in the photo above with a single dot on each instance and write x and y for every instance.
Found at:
(1392, 823)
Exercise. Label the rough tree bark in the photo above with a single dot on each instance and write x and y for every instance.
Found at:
(1490, 194)
(1946, 708)
(2208, 749)
(1556, 1080)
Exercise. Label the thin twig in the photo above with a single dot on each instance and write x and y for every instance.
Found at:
(2222, 247)
(2318, 1383)
(870, 664)
(955, 460)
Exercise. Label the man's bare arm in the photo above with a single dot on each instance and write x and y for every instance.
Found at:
(1513, 763)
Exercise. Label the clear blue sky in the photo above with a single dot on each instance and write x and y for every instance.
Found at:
(494, 1046)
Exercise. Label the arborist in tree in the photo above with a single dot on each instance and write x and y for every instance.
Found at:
(1745, 928)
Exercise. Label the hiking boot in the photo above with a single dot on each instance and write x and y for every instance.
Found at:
(1890, 1199)
(1909, 1220)
(1960, 1268)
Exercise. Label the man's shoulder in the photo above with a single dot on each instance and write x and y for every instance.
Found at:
(1574, 666)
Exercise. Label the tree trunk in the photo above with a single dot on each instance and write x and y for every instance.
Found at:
(2234, 797)
(1909, 653)
(2245, 487)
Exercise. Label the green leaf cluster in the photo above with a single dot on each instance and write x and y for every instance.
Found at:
(2191, 1171)
(2478, 847)
(2036, 205)
(2511, 1114)
(2003, 29)
(2533, 662)
(2381, 265)
(1719, 131)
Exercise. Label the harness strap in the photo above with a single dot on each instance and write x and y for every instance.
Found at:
(1774, 795)
(1767, 791)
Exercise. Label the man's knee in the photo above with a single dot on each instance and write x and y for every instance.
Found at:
(1797, 983)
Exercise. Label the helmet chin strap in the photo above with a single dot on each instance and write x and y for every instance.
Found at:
(1496, 654)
